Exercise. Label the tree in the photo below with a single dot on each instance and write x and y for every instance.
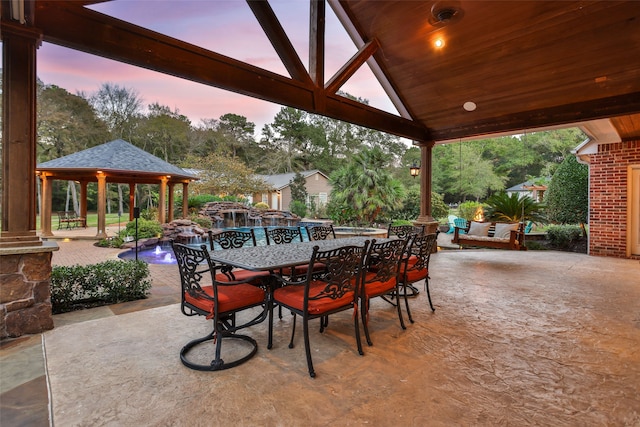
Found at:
(567, 197)
(512, 208)
(236, 133)
(223, 175)
(298, 186)
(163, 133)
(365, 187)
(118, 107)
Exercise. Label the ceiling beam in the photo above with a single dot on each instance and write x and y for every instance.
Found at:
(316, 41)
(349, 69)
(68, 24)
(279, 40)
(560, 115)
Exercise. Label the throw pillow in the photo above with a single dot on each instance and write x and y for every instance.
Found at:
(479, 228)
(503, 231)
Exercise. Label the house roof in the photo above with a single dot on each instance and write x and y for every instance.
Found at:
(117, 157)
(516, 65)
(283, 180)
(526, 186)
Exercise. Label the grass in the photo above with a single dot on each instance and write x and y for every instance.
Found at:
(92, 220)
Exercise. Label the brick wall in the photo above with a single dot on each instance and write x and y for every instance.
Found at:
(608, 197)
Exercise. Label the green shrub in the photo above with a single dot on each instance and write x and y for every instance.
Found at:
(109, 282)
(299, 208)
(111, 242)
(202, 221)
(262, 206)
(150, 214)
(468, 210)
(146, 228)
(561, 236)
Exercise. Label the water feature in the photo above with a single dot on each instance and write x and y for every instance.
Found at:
(163, 254)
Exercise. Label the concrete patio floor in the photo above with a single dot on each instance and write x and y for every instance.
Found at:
(517, 338)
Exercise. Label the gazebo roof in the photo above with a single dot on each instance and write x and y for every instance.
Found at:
(118, 159)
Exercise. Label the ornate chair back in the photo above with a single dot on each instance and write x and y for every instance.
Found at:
(404, 231)
(321, 232)
(280, 235)
(231, 239)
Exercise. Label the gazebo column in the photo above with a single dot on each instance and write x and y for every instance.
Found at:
(162, 204)
(45, 214)
(170, 214)
(102, 205)
(185, 199)
(83, 200)
(425, 217)
(132, 199)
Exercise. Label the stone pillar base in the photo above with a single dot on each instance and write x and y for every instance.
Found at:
(25, 294)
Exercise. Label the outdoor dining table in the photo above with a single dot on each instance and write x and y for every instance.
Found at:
(274, 257)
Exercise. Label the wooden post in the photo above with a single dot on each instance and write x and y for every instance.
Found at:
(19, 45)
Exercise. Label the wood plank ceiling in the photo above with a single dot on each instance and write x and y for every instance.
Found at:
(524, 64)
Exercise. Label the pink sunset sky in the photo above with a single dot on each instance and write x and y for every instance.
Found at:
(225, 27)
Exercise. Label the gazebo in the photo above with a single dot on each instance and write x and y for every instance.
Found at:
(117, 161)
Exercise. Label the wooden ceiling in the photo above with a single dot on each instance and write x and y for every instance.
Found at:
(525, 64)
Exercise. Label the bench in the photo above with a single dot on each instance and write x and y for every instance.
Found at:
(510, 235)
(69, 219)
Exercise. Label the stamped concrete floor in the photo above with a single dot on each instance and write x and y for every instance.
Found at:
(517, 338)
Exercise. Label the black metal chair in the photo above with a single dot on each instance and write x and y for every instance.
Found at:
(416, 265)
(381, 278)
(321, 232)
(321, 295)
(233, 239)
(207, 291)
(404, 231)
(280, 235)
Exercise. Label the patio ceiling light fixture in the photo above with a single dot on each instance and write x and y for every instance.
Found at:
(414, 170)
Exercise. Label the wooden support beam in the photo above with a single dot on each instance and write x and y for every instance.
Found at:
(68, 24)
(316, 41)
(349, 69)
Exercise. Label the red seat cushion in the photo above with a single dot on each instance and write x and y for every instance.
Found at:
(378, 287)
(413, 276)
(293, 296)
(230, 298)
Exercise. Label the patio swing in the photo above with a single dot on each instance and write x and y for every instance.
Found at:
(496, 234)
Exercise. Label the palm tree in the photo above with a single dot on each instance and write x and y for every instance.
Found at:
(504, 207)
(366, 187)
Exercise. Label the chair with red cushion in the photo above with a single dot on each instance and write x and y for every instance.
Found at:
(206, 291)
(380, 279)
(404, 231)
(322, 294)
(285, 235)
(415, 267)
(232, 239)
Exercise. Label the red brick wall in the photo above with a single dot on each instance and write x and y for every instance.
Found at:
(608, 198)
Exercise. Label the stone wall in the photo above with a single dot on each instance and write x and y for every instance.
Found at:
(25, 296)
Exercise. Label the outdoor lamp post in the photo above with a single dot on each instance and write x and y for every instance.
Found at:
(414, 170)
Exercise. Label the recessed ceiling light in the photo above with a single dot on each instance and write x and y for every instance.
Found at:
(469, 106)
(439, 43)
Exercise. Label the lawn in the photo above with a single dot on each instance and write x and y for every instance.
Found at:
(92, 220)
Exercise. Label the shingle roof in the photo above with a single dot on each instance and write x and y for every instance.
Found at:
(117, 155)
(282, 180)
